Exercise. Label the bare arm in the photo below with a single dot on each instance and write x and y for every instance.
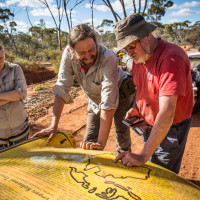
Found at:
(104, 130)
(163, 122)
(105, 125)
(10, 96)
(51, 130)
(2, 102)
(57, 110)
(109, 100)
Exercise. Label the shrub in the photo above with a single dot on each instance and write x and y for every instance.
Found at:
(55, 58)
(23, 63)
(47, 83)
(28, 66)
(40, 87)
(41, 56)
(9, 56)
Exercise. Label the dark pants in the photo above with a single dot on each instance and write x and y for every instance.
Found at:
(169, 153)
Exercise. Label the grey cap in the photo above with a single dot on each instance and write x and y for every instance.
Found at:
(130, 29)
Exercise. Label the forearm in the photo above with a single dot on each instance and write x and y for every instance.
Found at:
(51, 130)
(159, 131)
(2, 102)
(10, 96)
(57, 110)
(162, 124)
(105, 125)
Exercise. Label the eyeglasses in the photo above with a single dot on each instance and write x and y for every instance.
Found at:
(131, 46)
(83, 53)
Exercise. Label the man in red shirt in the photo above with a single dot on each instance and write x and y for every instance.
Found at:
(161, 73)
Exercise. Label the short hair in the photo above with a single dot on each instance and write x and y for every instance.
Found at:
(81, 32)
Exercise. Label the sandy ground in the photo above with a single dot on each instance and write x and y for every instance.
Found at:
(73, 120)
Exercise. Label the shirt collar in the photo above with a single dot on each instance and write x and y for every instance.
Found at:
(84, 68)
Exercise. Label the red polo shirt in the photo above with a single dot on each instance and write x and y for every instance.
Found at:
(166, 73)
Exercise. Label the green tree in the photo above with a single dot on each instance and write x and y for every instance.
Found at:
(56, 22)
(122, 2)
(158, 9)
(106, 22)
(6, 16)
(193, 35)
(106, 37)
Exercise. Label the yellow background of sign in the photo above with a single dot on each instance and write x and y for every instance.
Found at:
(37, 170)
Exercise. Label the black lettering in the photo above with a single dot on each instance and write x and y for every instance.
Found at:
(21, 185)
(92, 190)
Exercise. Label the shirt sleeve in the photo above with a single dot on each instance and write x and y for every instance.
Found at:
(110, 89)
(20, 82)
(173, 76)
(65, 78)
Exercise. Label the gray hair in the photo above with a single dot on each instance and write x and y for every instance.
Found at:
(81, 32)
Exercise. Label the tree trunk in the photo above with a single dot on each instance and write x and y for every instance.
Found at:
(59, 40)
(145, 6)
(107, 3)
(76, 4)
(92, 3)
(123, 7)
(60, 19)
(28, 17)
(13, 41)
(139, 6)
(65, 8)
(70, 16)
(134, 6)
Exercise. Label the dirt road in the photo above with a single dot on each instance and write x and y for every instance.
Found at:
(73, 120)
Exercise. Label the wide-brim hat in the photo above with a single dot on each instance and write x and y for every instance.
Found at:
(130, 29)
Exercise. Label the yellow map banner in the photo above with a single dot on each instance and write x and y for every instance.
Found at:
(36, 170)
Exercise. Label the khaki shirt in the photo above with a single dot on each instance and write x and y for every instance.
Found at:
(12, 114)
(100, 84)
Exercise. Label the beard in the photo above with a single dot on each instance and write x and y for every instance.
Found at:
(88, 62)
(141, 59)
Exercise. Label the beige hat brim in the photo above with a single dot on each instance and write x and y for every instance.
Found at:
(143, 31)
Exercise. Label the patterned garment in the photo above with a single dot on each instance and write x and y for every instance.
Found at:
(100, 83)
(13, 117)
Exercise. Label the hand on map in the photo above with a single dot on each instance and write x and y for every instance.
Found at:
(130, 159)
(51, 132)
(91, 145)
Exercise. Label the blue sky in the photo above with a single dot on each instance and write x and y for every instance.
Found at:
(182, 10)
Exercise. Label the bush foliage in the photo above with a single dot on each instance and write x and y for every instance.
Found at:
(55, 58)
(40, 87)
